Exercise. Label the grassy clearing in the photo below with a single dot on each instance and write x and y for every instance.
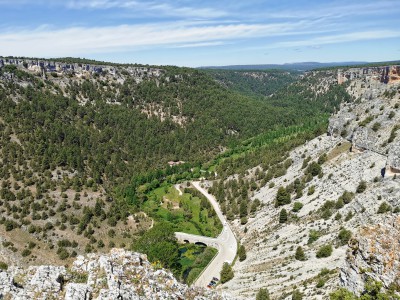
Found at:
(342, 148)
(190, 212)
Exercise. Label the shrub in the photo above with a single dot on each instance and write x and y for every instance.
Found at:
(347, 197)
(26, 252)
(322, 159)
(321, 282)
(297, 295)
(344, 236)
(311, 190)
(384, 207)
(376, 126)
(348, 216)
(78, 277)
(342, 294)
(262, 294)
(62, 253)
(300, 254)
(324, 251)
(226, 273)
(3, 266)
(297, 206)
(362, 186)
(313, 235)
(314, 169)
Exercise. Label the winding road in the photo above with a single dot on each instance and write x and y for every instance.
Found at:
(225, 243)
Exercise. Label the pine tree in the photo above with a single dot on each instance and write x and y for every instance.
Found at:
(283, 216)
(282, 197)
(243, 208)
(226, 273)
(242, 253)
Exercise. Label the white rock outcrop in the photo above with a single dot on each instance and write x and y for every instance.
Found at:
(118, 275)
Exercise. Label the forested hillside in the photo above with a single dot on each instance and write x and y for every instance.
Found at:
(84, 156)
(259, 83)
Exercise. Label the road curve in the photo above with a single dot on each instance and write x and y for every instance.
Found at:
(225, 243)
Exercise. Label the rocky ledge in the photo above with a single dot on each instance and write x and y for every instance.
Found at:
(373, 254)
(118, 275)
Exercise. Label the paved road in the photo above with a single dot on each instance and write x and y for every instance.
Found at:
(225, 243)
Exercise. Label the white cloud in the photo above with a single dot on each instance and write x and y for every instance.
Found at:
(341, 38)
(79, 40)
(156, 8)
(204, 44)
(337, 10)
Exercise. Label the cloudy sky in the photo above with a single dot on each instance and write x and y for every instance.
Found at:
(199, 33)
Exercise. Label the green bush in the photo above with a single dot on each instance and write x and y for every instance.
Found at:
(263, 294)
(297, 206)
(311, 190)
(346, 197)
(62, 253)
(324, 251)
(297, 295)
(376, 126)
(342, 294)
(344, 236)
(314, 169)
(26, 252)
(362, 186)
(384, 207)
(321, 282)
(313, 235)
(226, 273)
(3, 266)
(299, 255)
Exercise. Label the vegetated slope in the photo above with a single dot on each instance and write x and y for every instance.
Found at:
(72, 133)
(315, 198)
(254, 83)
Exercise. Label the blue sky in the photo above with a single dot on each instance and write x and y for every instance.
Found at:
(199, 33)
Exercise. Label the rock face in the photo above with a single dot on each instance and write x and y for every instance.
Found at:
(119, 275)
(384, 74)
(363, 139)
(393, 164)
(374, 253)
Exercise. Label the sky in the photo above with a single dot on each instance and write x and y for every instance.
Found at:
(202, 33)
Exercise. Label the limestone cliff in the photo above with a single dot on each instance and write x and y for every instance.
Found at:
(373, 253)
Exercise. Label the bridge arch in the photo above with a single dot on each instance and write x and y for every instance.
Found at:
(201, 244)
